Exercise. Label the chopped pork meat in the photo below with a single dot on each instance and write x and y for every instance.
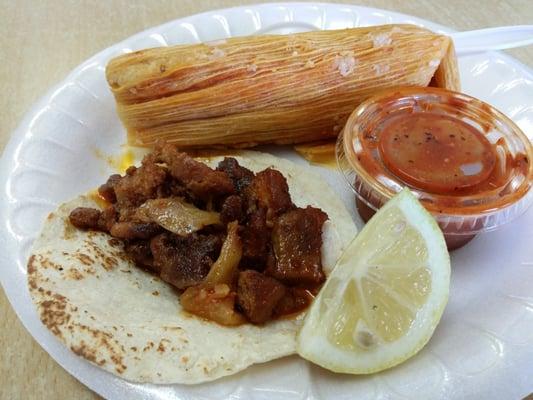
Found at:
(173, 214)
(256, 237)
(139, 185)
(134, 230)
(85, 218)
(108, 217)
(139, 251)
(297, 240)
(201, 180)
(184, 260)
(258, 295)
(269, 191)
(232, 210)
(241, 176)
(107, 190)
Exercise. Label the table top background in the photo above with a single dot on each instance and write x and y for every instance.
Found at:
(40, 42)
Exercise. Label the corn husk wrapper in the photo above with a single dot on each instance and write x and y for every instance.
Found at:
(295, 88)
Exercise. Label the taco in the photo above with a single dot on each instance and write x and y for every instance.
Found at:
(181, 273)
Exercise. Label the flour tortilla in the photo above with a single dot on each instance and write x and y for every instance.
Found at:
(130, 323)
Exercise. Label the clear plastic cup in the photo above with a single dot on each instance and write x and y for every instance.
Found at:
(467, 163)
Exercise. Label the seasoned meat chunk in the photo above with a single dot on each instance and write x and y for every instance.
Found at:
(256, 241)
(107, 219)
(184, 261)
(139, 251)
(85, 218)
(107, 190)
(269, 190)
(134, 230)
(297, 240)
(295, 300)
(139, 185)
(91, 218)
(257, 295)
(232, 210)
(201, 180)
(175, 189)
(240, 176)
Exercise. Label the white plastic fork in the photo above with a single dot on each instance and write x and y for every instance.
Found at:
(500, 38)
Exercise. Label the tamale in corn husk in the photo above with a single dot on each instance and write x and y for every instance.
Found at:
(295, 88)
(447, 74)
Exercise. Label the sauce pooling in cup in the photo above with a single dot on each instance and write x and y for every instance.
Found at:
(466, 161)
(436, 152)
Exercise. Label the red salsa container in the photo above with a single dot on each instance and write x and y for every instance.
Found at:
(467, 163)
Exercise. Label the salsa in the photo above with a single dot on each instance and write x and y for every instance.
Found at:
(463, 159)
(436, 152)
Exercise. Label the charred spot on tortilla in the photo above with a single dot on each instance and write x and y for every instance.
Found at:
(173, 216)
(54, 313)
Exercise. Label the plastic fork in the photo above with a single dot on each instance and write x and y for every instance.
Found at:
(500, 38)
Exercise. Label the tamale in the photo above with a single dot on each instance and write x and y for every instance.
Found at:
(447, 74)
(294, 88)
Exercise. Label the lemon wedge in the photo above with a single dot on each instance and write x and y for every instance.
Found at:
(386, 295)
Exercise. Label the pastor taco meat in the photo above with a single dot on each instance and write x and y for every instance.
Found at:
(230, 240)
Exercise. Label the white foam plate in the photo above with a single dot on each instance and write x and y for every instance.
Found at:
(483, 348)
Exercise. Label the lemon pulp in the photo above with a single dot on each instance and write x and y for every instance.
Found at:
(386, 295)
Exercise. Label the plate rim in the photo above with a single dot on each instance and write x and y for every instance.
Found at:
(21, 131)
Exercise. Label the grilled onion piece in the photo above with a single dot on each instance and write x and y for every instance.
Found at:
(225, 268)
(176, 215)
